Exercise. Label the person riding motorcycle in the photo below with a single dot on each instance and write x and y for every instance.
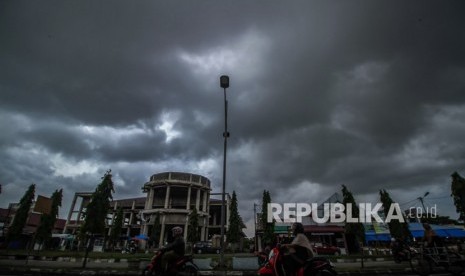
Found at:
(174, 250)
(300, 250)
(396, 246)
(400, 250)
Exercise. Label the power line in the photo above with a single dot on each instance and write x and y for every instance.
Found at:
(430, 198)
(409, 201)
(438, 197)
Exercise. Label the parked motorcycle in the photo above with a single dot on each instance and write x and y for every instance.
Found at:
(130, 249)
(315, 266)
(182, 266)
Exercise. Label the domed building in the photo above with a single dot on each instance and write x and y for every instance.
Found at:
(172, 196)
(170, 199)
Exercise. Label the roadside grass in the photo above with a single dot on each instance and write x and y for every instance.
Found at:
(73, 254)
(54, 254)
(142, 256)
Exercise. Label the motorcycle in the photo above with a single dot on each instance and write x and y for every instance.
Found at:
(183, 266)
(262, 257)
(315, 266)
(129, 250)
(403, 253)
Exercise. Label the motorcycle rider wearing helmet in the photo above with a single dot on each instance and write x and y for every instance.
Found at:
(300, 249)
(173, 250)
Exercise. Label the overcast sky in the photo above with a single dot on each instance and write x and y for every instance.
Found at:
(369, 94)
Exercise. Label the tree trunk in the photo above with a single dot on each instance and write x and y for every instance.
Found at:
(90, 242)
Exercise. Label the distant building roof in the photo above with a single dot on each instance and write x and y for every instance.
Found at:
(215, 201)
(323, 229)
(3, 214)
(127, 202)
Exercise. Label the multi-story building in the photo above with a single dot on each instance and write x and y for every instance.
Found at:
(331, 234)
(171, 197)
(38, 207)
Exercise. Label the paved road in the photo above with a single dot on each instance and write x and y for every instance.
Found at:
(62, 264)
(119, 265)
(121, 268)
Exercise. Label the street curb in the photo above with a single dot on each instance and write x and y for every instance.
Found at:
(74, 271)
(375, 272)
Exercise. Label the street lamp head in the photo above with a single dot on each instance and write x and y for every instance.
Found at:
(224, 81)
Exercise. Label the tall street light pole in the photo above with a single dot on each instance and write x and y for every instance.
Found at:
(224, 83)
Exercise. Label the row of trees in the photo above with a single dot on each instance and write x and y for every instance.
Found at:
(47, 220)
(355, 232)
(94, 218)
(97, 210)
(96, 215)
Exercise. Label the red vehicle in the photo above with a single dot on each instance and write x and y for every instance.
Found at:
(268, 265)
(314, 266)
(183, 266)
(326, 249)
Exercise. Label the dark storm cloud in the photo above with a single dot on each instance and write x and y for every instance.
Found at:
(367, 94)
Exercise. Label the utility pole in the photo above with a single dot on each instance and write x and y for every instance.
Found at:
(421, 200)
(255, 226)
(423, 204)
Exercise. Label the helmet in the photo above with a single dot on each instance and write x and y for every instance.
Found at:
(297, 228)
(176, 231)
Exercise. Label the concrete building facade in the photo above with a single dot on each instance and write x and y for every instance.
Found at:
(172, 196)
(170, 199)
